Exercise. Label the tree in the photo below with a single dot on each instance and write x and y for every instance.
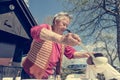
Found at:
(104, 44)
(94, 17)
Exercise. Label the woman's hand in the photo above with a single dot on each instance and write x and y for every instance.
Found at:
(85, 55)
(71, 39)
(82, 54)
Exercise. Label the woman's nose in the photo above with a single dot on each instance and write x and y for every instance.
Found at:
(65, 27)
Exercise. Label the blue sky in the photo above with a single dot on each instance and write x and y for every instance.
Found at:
(40, 9)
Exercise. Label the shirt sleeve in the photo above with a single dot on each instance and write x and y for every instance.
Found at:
(35, 31)
(69, 52)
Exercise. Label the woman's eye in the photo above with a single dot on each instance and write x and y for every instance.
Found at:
(64, 24)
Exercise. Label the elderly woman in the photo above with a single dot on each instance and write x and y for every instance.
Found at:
(48, 46)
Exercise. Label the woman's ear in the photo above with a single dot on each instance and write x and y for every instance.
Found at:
(56, 22)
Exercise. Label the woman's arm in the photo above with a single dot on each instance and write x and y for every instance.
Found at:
(81, 54)
(68, 39)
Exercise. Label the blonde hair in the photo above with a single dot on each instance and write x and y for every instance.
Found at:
(61, 15)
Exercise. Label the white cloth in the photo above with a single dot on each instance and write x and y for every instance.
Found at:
(106, 69)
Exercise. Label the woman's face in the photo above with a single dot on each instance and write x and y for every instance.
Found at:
(61, 25)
